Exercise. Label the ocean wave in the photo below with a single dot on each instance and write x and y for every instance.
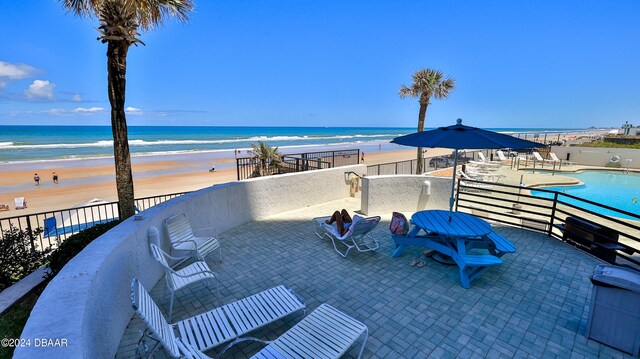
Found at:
(133, 143)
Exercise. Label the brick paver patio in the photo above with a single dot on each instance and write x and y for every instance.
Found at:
(534, 305)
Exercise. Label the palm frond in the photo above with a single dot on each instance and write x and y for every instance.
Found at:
(406, 92)
(445, 88)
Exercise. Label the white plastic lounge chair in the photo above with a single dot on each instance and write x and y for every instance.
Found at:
(477, 176)
(182, 238)
(555, 158)
(357, 236)
(218, 326)
(177, 279)
(325, 333)
(20, 203)
(501, 156)
(538, 157)
(483, 159)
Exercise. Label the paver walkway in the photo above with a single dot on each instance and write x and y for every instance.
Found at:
(534, 305)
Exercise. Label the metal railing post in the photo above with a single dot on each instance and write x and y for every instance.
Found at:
(553, 214)
(33, 246)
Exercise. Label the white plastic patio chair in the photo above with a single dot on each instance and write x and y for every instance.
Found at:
(325, 333)
(182, 238)
(358, 236)
(177, 279)
(213, 328)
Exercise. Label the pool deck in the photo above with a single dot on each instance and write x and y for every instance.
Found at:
(534, 305)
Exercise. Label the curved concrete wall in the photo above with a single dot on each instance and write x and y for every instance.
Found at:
(88, 302)
(404, 193)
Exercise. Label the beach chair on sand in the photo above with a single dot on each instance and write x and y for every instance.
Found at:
(358, 236)
(20, 203)
(205, 331)
(177, 279)
(182, 238)
(325, 333)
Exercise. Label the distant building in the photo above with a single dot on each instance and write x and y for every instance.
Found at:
(626, 135)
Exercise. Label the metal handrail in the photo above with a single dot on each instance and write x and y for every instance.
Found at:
(551, 212)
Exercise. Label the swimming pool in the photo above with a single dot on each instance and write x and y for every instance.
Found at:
(614, 189)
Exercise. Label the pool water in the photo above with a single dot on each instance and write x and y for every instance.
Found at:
(614, 189)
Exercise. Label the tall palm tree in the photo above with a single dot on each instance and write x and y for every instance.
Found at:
(427, 83)
(269, 159)
(119, 24)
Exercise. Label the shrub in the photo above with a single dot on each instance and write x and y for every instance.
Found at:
(19, 255)
(74, 244)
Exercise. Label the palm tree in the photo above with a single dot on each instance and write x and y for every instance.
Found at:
(119, 24)
(269, 159)
(427, 83)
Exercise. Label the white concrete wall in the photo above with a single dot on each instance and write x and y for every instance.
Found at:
(596, 156)
(89, 303)
(403, 193)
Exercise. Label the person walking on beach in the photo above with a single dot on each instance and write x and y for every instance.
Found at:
(36, 179)
(362, 157)
(55, 178)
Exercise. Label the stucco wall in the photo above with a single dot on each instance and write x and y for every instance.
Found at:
(88, 303)
(594, 156)
(404, 193)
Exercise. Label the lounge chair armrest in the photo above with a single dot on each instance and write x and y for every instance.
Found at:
(185, 241)
(176, 258)
(194, 273)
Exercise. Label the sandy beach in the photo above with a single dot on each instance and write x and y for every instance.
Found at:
(79, 182)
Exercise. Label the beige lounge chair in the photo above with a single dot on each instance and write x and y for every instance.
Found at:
(554, 157)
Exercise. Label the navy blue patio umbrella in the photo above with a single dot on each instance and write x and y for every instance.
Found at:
(460, 137)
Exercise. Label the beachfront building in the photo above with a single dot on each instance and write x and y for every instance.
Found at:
(536, 304)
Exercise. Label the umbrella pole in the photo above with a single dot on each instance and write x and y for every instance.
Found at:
(453, 183)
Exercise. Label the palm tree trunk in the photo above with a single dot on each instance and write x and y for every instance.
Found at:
(421, 116)
(117, 71)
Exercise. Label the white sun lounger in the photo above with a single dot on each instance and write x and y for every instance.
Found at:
(477, 176)
(325, 333)
(483, 159)
(218, 326)
(358, 236)
(555, 158)
(182, 238)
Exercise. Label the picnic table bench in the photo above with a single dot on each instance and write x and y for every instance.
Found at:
(454, 238)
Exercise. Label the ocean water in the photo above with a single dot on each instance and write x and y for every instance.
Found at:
(47, 143)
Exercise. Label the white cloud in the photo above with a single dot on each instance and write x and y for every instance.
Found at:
(89, 110)
(76, 98)
(55, 111)
(40, 90)
(133, 111)
(16, 71)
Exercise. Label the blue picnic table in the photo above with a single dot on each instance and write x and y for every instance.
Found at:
(455, 239)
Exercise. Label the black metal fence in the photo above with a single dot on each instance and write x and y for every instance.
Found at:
(409, 166)
(249, 167)
(512, 205)
(59, 224)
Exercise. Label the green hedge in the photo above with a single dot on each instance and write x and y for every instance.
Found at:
(74, 244)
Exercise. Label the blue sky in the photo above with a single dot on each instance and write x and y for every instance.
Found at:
(560, 64)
